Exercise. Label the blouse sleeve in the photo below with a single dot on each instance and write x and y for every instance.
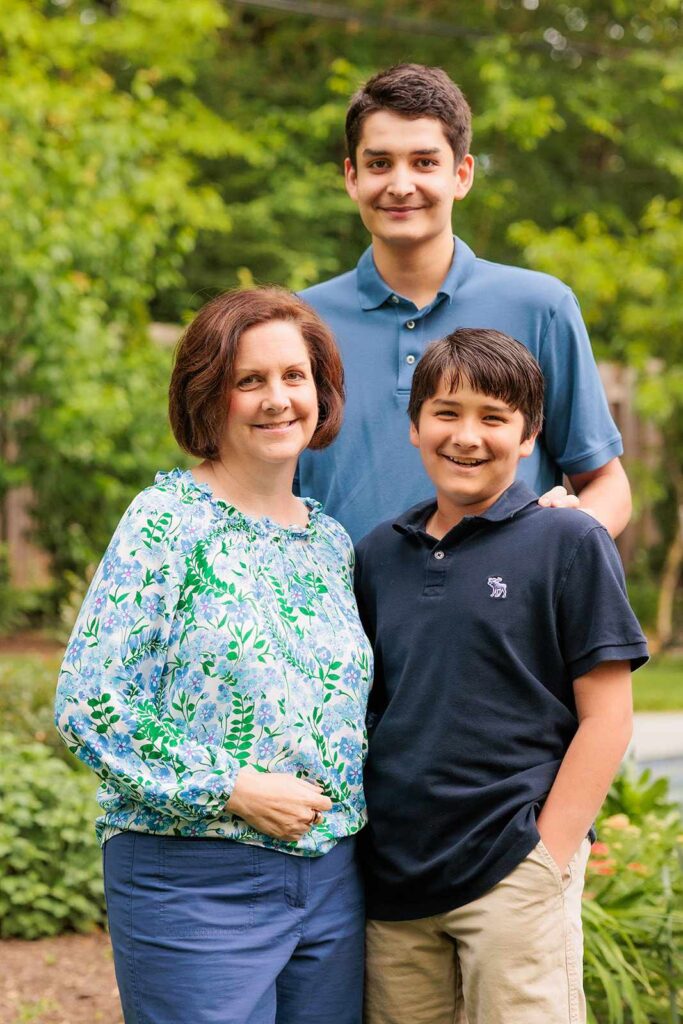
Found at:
(111, 685)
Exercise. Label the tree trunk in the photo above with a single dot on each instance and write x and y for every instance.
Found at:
(669, 583)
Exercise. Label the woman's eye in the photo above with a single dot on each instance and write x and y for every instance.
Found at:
(246, 382)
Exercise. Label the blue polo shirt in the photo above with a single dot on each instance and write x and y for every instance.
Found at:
(478, 638)
(372, 472)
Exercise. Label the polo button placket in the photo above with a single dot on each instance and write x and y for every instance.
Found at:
(406, 349)
(435, 576)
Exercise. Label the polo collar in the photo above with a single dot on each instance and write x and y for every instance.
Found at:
(373, 291)
(518, 496)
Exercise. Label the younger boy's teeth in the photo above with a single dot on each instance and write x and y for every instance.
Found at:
(464, 462)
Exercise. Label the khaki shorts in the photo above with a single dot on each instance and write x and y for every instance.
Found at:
(514, 956)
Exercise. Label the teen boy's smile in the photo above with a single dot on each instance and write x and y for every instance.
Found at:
(470, 445)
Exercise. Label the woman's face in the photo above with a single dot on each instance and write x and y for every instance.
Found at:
(272, 404)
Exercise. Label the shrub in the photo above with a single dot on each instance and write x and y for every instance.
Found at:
(27, 695)
(50, 873)
(633, 909)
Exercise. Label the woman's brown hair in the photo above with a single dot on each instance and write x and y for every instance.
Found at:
(205, 359)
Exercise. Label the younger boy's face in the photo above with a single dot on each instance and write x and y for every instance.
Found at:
(470, 445)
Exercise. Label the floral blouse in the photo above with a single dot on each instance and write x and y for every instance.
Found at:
(208, 641)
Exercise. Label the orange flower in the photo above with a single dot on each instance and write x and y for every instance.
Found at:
(617, 821)
(602, 867)
(599, 850)
(638, 868)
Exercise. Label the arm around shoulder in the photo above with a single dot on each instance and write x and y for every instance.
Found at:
(605, 493)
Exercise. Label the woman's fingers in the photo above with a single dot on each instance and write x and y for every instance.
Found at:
(277, 804)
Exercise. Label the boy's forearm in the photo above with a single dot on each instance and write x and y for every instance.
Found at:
(590, 764)
(606, 494)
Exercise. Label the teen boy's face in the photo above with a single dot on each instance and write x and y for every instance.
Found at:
(470, 445)
(405, 180)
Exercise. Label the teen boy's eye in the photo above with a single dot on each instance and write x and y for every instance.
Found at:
(426, 162)
(378, 165)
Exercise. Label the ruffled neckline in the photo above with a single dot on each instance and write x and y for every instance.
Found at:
(240, 520)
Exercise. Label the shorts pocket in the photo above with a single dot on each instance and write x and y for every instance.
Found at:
(563, 878)
(208, 887)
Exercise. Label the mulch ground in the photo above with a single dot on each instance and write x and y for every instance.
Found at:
(65, 980)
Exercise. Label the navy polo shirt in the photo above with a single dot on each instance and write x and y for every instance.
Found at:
(478, 638)
(372, 472)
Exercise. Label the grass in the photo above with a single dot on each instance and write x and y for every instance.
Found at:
(659, 685)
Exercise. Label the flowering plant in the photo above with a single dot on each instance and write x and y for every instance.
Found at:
(633, 907)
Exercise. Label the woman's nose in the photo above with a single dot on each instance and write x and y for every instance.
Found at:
(276, 396)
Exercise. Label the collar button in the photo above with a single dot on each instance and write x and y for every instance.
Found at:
(439, 555)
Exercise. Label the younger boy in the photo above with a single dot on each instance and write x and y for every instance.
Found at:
(504, 644)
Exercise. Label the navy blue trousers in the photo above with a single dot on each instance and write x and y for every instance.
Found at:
(212, 931)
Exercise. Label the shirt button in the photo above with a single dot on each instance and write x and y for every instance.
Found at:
(410, 324)
(410, 360)
(438, 554)
(395, 299)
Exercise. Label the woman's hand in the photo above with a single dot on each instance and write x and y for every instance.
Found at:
(280, 805)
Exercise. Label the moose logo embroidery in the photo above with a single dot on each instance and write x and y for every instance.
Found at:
(498, 588)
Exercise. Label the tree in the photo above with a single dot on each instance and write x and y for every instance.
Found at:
(100, 202)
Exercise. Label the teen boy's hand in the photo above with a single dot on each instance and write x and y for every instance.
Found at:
(559, 497)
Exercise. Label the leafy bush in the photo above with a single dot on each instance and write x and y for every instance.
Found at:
(50, 874)
(633, 907)
(27, 693)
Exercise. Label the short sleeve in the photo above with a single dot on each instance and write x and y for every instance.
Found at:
(579, 432)
(595, 621)
(109, 707)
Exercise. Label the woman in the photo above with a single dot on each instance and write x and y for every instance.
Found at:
(216, 680)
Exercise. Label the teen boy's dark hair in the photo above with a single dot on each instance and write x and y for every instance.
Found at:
(490, 362)
(412, 90)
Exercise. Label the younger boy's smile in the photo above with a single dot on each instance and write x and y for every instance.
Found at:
(470, 445)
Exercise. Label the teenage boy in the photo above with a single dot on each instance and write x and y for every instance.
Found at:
(408, 133)
(501, 709)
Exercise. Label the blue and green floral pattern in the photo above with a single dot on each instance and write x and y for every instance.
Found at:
(209, 641)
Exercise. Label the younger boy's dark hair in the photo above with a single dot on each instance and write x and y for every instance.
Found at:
(488, 361)
(412, 90)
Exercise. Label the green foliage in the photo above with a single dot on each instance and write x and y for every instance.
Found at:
(50, 874)
(27, 694)
(633, 907)
(100, 133)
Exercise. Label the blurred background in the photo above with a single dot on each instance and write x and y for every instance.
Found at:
(156, 152)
